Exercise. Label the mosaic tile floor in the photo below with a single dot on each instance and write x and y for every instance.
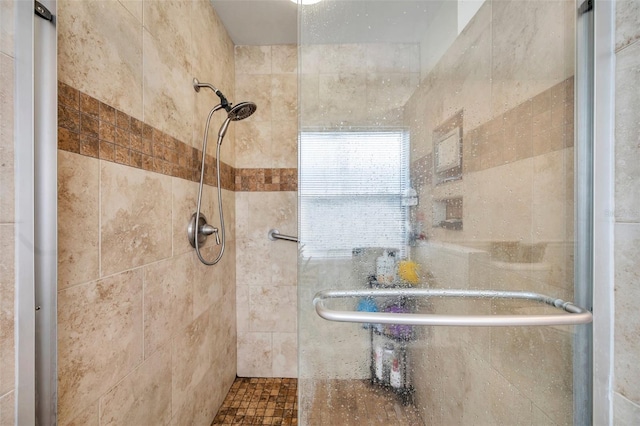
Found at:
(258, 401)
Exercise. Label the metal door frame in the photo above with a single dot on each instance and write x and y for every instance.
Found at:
(36, 177)
(603, 210)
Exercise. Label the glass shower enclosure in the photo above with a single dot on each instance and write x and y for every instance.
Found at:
(437, 214)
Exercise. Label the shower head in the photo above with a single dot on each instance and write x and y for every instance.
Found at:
(242, 111)
(237, 113)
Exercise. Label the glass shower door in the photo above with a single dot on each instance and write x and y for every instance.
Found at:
(437, 165)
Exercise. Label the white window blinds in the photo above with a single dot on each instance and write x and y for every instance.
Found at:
(351, 186)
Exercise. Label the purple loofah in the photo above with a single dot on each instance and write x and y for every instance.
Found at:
(399, 331)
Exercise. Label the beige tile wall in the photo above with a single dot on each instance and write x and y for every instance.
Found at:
(266, 270)
(500, 143)
(627, 216)
(329, 350)
(267, 76)
(532, 145)
(510, 73)
(359, 85)
(116, 323)
(147, 334)
(7, 273)
(450, 365)
(267, 285)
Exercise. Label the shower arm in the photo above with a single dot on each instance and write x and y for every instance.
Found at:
(224, 103)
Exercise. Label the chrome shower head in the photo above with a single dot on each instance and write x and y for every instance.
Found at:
(237, 113)
(242, 111)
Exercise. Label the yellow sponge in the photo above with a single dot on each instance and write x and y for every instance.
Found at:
(408, 271)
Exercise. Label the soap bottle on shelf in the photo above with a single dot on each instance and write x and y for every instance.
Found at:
(387, 360)
(395, 376)
(377, 360)
(386, 268)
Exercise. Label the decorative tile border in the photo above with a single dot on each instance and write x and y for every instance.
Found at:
(266, 180)
(92, 128)
(537, 126)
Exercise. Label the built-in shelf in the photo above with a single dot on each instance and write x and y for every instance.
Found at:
(447, 213)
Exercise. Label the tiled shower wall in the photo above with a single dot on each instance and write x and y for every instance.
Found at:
(266, 198)
(7, 275)
(627, 214)
(363, 85)
(146, 333)
(516, 185)
(517, 124)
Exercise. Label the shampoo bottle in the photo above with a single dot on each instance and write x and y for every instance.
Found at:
(378, 361)
(395, 378)
(385, 268)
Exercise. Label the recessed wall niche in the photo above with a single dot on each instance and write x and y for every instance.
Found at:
(447, 168)
(447, 150)
(447, 213)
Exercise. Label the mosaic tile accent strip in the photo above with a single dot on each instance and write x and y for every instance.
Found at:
(260, 401)
(266, 180)
(92, 128)
(537, 126)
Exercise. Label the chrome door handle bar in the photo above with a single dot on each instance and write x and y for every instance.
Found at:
(574, 314)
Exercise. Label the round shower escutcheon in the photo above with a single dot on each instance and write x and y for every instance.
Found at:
(203, 230)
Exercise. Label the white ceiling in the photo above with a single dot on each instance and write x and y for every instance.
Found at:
(259, 22)
(267, 22)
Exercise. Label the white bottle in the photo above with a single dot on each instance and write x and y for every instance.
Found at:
(395, 377)
(378, 361)
(387, 359)
(385, 268)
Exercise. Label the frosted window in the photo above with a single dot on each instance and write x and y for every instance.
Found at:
(351, 186)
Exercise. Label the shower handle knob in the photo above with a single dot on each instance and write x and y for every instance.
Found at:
(202, 230)
(208, 230)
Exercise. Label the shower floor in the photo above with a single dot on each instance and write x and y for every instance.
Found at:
(261, 401)
(356, 403)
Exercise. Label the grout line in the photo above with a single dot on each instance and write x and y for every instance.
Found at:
(142, 53)
(99, 218)
(144, 284)
(173, 217)
(627, 400)
(106, 277)
(628, 45)
(129, 12)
